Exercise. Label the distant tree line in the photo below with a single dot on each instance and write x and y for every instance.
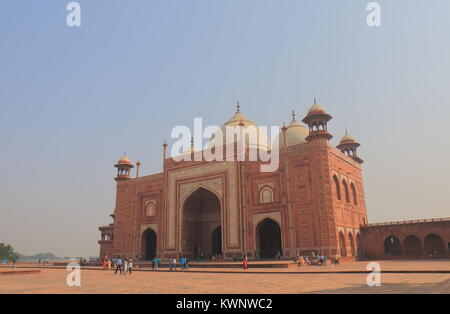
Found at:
(7, 252)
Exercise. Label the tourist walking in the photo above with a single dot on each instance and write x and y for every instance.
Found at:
(245, 262)
(109, 264)
(119, 266)
(170, 263)
(13, 263)
(174, 261)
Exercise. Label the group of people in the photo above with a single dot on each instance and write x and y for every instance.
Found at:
(122, 265)
(318, 260)
(184, 263)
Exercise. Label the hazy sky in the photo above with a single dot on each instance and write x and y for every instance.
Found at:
(73, 99)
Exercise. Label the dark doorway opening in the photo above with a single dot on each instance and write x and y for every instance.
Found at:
(149, 244)
(268, 236)
(434, 246)
(413, 246)
(216, 247)
(392, 246)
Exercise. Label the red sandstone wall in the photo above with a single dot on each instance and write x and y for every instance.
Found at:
(374, 237)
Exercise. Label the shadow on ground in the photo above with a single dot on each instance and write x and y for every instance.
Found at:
(442, 287)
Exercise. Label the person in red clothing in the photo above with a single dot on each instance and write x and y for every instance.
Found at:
(245, 262)
(104, 262)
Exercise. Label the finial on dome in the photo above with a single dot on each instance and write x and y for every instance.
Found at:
(346, 132)
(238, 107)
(293, 115)
(315, 103)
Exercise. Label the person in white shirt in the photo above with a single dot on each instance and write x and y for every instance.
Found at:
(130, 266)
(125, 266)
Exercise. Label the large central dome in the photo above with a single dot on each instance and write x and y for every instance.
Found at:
(239, 119)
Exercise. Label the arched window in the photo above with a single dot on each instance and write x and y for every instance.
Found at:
(347, 196)
(354, 194)
(337, 187)
(266, 195)
(150, 209)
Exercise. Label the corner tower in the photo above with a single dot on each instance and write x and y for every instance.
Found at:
(348, 145)
(317, 119)
(123, 166)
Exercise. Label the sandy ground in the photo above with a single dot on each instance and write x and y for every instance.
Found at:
(260, 281)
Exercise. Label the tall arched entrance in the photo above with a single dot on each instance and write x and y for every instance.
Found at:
(434, 245)
(201, 214)
(149, 244)
(413, 246)
(268, 238)
(216, 245)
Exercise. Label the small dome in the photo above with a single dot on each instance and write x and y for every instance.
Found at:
(316, 112)
(124, 160)
(347, 138)
(316, 109)
(295, 133)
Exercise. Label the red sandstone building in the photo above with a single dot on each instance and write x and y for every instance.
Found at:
(313, 202)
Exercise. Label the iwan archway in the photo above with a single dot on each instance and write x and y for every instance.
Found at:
(200, 225)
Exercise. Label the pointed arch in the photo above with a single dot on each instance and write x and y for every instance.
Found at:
(268, 238)
(346, 194)
(413, 246)
(434, 245)
(392, 246)
(149, 244)
(337, 187)
(354, 193)
(352, 244)
(342, 244)
(200, 217)
(266, 195)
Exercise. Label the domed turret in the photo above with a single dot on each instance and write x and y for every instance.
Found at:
(317, 120)
(123, 166)
(348, 145)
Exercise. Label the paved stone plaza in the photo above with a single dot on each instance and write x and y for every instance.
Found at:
(287, 280)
